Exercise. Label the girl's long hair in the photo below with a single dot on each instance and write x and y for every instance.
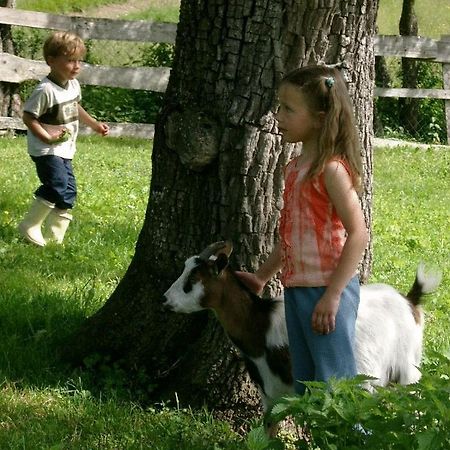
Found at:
(325, 91)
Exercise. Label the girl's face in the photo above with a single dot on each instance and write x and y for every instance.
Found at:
(64, 68)
(295, 120)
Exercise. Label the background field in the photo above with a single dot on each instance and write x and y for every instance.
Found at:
(121, 105)
(432, 17)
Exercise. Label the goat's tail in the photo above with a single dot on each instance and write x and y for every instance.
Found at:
(426, 282)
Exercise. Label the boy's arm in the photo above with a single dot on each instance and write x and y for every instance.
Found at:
(45, 135)
(98, 127)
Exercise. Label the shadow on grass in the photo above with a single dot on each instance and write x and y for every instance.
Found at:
(47, 293)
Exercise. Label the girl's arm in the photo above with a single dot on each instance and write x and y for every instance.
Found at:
(256, 281)
(345, 199)
(98, 127)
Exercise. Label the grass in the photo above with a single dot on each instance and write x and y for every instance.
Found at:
(159, 10)
(46, 293)
(71, 418)
(112, 199)
(62, 6)
(432, 17)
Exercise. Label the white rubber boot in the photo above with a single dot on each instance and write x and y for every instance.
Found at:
(30, 227)
(58, 222)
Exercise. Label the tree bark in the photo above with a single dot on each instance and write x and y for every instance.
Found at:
(10, 104)
(217, 173)
(409, 107)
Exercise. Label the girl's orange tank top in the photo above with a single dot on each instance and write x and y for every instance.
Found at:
(312, 235)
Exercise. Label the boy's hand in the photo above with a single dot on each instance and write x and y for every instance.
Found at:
(102, 128)
(57, 133)
(64, 136)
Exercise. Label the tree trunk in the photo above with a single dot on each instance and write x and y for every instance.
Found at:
(217, 173)
(409, 107)
(10, 104)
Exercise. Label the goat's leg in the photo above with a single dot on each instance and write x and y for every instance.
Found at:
(411, 375)
(271, 427)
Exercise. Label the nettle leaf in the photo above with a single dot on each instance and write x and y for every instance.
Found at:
(257, 439)
(280, 409)
(425, 440)
(340, 411)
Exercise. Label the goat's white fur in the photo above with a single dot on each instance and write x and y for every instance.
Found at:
(277, 333)
(388, 339)
(273, 385)
(429, 279)
(181, 301)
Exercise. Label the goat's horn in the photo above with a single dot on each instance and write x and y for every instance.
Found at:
(212, 249)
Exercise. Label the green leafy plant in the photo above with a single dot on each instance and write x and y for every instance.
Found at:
(343, 415)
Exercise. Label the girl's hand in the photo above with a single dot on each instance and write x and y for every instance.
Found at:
(251, 281)
(324, 315)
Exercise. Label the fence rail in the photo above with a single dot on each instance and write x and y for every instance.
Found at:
(14, 69)
(93, 28)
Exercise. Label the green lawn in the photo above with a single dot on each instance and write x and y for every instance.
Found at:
(432, 17)
(46, 293)
(159, 10)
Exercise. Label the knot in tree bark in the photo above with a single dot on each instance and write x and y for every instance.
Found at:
(194, 137)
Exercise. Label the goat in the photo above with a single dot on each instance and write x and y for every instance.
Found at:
(389, 326)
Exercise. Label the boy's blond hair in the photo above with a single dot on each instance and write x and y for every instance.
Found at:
(64, 43)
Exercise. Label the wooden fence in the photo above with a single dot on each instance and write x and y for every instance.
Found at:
(14, 69)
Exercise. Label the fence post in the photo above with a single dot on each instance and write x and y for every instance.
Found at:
(10, 103)
(446, 77)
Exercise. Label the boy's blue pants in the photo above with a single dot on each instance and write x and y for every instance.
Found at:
(58, 180)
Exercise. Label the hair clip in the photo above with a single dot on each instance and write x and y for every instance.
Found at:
(329, 81)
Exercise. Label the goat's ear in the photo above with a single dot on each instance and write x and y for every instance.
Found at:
(221, 262)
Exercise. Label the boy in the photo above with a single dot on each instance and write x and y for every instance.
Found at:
(51, 115)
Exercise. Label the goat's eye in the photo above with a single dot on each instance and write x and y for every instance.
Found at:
(193, 278)
(187, 286)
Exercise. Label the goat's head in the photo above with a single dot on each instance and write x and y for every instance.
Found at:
(201, 281)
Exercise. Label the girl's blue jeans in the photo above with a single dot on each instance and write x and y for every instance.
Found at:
(58, 180)
(318, 357)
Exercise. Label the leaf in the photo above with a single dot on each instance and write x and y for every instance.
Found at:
(279, 408)
(257, 439)
(425, 439)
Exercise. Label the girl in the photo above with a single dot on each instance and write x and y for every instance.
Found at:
(322, 228)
